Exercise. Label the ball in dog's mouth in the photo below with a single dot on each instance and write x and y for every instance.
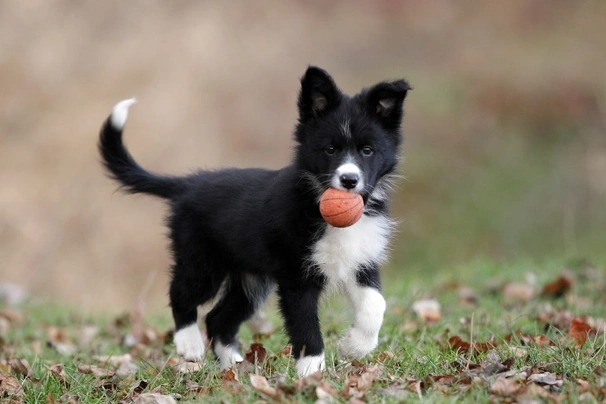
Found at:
(341, 208)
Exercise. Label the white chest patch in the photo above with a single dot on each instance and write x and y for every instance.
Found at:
(339, 253)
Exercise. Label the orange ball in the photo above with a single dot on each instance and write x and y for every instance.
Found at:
(341, 208)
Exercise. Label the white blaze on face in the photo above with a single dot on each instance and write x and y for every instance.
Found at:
(347, 168)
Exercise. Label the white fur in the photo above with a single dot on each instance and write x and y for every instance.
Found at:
(259, 323)
(340, 252)
(227, 354)
(120, 113)
(310, 364)
(347, 168)
(189, 342)
(369, 307)
(346, 129)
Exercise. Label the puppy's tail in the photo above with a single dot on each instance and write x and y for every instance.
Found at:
(121, 165)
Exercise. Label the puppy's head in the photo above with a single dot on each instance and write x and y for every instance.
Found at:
(349, 143)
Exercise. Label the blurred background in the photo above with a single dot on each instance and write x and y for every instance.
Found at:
(505, 153)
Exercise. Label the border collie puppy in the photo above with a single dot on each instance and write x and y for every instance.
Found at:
(246, 231)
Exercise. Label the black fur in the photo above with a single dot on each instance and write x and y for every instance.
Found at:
(251, 229)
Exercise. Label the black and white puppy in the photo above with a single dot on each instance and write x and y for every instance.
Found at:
(246, 231)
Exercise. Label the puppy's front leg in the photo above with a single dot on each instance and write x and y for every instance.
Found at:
(369, 307)
(299, 306)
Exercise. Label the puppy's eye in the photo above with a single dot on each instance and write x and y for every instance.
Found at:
(330, 150)
(367, 151)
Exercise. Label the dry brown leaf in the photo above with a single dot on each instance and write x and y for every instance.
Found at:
(154, 398)
(230, 381)
(323, 395)
(467, 295)
(541, 341)
(13, 316)
(260, 384)
(10, 387)
(137, 389)
(385, 356)
(428, 310)
(20, 366)
(546, 378)
(96, 371)
(583, 385)
(504, 387)
(557, 288)
(69, 399)
(256, 353)
(518, 292)
(287, 351)
(188, 367)
(457, 344)
(87, 334)
(356, 385)
(59, 373)
(579, 331)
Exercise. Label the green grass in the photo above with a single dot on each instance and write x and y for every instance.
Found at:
(410, 351)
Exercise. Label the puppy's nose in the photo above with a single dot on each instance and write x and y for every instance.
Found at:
(349, 180)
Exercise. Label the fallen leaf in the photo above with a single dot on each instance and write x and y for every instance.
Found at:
(385, 356)
(96, 371)
(467, 295)
(59, 373)
(504, 387)
(260, 384)
(356, 385)
(518, 292)
(579, 330)
(13, 316)
(541, 341)
(124, 363)
(557, 288)
(10, 386)
(137, 389)
(546, 378)
(20, 366)
(87, 334)
(153, 398)
(69, 399)
(457, 344)
(428, 310)
(188, 367)
(230, 381)
(323, 395)
(287, 351)
(256, 353)
(583, 385)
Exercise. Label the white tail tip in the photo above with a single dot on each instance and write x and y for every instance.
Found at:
(120, 113)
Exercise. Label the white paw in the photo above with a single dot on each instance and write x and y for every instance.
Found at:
(189, 343)
(310, 364)
(356, 344)
(227, 355)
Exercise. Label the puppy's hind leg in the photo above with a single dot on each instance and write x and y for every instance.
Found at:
(243, 295)
(185, 296)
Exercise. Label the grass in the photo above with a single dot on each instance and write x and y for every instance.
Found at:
(413, 362)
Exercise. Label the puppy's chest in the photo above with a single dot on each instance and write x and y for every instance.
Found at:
(339, 253)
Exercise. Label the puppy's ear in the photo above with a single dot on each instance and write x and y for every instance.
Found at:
(319, 94)
(385, 101)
